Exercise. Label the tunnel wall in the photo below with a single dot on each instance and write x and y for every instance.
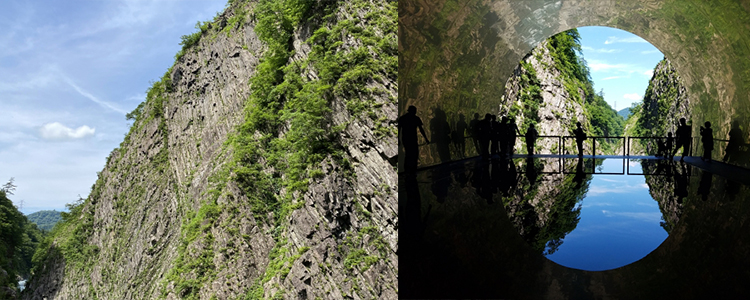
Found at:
(455, 56)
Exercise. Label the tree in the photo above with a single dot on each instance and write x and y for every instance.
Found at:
(9, 187)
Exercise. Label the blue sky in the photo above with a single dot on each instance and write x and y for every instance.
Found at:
(619, 223)
(620, 62)
(69, 72)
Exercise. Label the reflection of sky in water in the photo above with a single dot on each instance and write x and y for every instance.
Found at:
(619, 224)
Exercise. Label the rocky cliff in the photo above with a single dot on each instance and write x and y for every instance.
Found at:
(256, 168)
(664, 102)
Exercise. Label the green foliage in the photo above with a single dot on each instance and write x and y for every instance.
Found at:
(45, 219)
(190, 40)
(603, 120)
(19, 239)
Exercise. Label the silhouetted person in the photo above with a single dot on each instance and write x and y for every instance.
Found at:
(511, 137)
(735, 141)
(683, 137)
(407, 129)
(441, 134)
(495, 138)
(665, 146)
(502, 133)
(704, 189)
(580, 137)
(531, 136)
(707, 139)
(484, 133)
(458, 136)
(473, 124)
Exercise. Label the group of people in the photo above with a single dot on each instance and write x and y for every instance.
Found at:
(493, 137)
(683, 137)
(496, 137)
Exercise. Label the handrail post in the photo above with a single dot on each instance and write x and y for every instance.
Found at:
(593, 152)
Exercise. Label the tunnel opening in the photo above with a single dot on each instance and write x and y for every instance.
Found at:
(704, 41)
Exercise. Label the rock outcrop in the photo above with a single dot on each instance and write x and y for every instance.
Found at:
(174, 214)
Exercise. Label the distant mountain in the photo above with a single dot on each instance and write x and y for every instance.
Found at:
(624, 113)
(45, 219)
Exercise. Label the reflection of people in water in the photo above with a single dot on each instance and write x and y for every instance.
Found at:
(735, 141)
(509, 178)
(707, 139)
(407, 129)
(531, 172)
(411, 216)
(458, 136)
(580, 137)
(441, 183)
(531, 136)
(705, 186)
(681, 183)
(580, 174)
(684, 138)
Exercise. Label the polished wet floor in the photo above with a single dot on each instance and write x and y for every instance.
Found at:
(459, 231)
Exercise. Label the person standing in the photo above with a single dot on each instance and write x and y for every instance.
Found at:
(707, 139)
(580, 137)
(494, 136)
(502, 133)
(531, 136)
(735, 140)
(459, 136)
(407, 129)
(474, 134)
(511, 137)
(683, 136)
(484, 134)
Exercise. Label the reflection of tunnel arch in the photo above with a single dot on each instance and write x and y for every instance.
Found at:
(457, 55)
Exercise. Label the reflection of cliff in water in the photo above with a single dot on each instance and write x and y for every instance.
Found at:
(668, 185)
(543, 206)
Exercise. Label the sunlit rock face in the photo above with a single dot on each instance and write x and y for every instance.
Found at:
(454, 56)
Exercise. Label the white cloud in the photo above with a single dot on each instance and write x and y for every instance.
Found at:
(643, 216)
(611, 77)
(597, 66)
(600, 50)
(648, 73)
(633, 97)
(57, 131)
(614, 39)
(91, 97)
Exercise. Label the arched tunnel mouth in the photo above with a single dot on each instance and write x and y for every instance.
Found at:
(594, 212)
(477, 250)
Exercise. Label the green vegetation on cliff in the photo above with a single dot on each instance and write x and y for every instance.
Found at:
(564, 48)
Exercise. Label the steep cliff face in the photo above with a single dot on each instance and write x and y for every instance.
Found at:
(257, 167)
(664, 103)
(537, 94)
